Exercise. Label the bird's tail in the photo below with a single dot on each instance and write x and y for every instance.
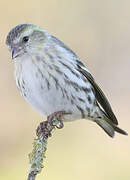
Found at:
(109, 127)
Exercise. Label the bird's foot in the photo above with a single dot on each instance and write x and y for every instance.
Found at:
(45, 127)
(56, 116)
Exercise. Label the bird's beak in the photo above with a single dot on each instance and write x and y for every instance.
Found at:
(15, 52)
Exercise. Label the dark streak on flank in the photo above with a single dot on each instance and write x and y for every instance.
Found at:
(63, 95)
(66, 94)
(39, 70)
(56, 81)
(73, 84)
(19, 83)
(50, 56)
(66, 76)
(59, 57)
(69, 68)
(57, 69)
(23, 82)
(82, 100)
(77, 87)
(23, 86)
(88, 110)
(57, 84)
(24, 94)
(89, 99)
(42, 87)
(48, 84)
(49, 74)
(81, 110)
(79, 63)
(72, 96)
(72, 101)
(87, 90)
(50, 67)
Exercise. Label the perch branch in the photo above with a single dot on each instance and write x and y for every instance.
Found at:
(43, 132)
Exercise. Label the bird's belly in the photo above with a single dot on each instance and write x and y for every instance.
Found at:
(48, 101)
(47, 98)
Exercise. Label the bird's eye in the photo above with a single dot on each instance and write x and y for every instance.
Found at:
(25, 39)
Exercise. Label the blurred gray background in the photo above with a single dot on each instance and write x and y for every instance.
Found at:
(99, 33)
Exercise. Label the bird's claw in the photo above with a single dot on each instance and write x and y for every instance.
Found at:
(56, 116)
(45, 127)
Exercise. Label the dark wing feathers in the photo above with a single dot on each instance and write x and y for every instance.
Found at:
(100, 96)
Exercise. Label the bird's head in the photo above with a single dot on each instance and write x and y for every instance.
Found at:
(25, 39)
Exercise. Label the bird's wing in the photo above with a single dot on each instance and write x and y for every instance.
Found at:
(100, 96)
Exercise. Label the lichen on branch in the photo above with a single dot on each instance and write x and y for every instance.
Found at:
(37, 156)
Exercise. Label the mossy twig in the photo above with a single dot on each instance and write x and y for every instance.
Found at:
(37, 155)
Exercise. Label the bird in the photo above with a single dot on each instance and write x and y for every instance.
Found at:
(54, 81)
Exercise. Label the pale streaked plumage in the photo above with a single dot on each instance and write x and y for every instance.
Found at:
(52, 78)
